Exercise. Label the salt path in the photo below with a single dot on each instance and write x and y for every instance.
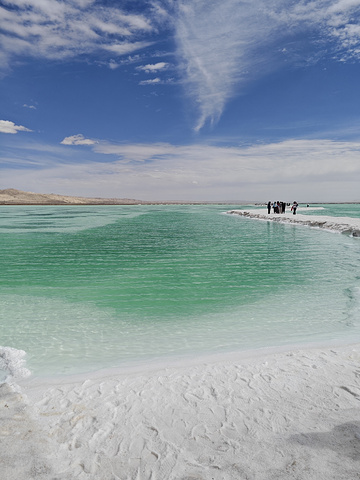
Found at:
(346, 225)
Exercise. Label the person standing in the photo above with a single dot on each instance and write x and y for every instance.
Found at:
(269, 207)
(294, 207)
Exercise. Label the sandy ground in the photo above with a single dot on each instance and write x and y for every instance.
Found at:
(293, 415)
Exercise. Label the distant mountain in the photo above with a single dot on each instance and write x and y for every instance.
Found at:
(11, 196)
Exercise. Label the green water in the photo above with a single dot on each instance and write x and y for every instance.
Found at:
(90, 287)
(335, 210)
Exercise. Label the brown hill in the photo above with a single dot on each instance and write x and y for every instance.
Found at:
(11, 196)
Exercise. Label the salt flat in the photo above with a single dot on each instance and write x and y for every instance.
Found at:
(289, 415)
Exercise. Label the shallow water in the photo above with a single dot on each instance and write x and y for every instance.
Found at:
(85, 287)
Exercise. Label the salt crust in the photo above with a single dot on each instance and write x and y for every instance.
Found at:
(289, 415)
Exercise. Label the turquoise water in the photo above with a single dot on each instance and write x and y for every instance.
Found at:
(334, 210)
(85, 287)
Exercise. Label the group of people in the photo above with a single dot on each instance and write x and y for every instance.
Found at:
(280, 207)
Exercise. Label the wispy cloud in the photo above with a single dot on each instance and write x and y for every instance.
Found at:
(166, 171)
(222, 46)
(216, 44)
(57, 29)
(274, 162)
(9, 127)
(306, 170)
(154, 68)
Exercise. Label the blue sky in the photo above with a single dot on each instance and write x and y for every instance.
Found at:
(181, 100)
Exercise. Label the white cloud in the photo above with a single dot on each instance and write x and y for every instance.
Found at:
(153, 81)
(9, 127)
(113, 65)
(78, 140)
(126, 47)
(151, 68)
(63, 29)
(31, 107)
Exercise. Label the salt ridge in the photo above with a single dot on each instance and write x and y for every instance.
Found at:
(12, 363)
(346, 225)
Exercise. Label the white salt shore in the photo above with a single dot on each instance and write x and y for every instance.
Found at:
(350, 226)
(287, 415)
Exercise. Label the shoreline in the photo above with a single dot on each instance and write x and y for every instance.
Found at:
(176, 361)
(279, 415)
